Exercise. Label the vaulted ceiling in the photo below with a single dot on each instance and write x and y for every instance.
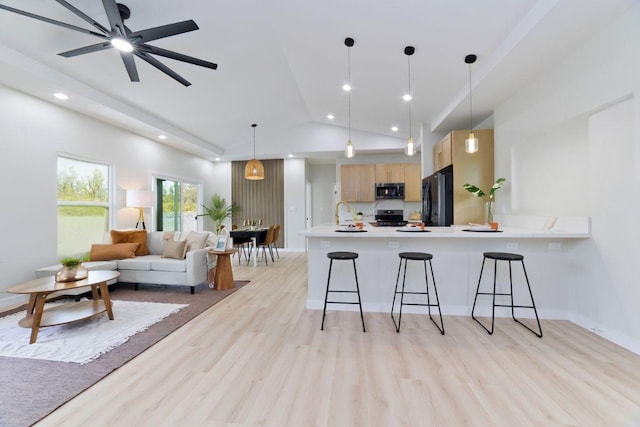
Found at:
(282, 63)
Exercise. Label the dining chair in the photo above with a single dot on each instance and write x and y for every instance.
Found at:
(266, 244)
(276, 237)
(242, 244)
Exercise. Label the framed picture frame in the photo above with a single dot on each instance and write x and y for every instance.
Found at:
(221, 244)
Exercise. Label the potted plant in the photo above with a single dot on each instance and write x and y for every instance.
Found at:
(219, 210)
(489, 203)
(72, 269)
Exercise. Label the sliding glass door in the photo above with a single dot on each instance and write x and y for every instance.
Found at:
(176, 205)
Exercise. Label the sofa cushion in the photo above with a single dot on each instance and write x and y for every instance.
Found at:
(132, 236)
(139, 263)
(168, 264)
(175, 249)
(100, 252)
(196, 241)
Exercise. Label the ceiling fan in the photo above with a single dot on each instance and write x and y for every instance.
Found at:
(129, 43)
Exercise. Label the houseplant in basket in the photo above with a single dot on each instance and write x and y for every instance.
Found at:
(488, 198)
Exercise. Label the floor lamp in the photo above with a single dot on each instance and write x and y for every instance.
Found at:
(139, 199)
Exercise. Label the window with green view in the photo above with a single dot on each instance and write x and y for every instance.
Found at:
(83, 205)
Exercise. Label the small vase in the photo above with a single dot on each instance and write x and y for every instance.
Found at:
(489, 208)
(71, 274)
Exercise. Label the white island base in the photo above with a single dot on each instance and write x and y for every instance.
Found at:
(457, 259)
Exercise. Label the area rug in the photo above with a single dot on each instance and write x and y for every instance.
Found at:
(82, 342)
(30, 389)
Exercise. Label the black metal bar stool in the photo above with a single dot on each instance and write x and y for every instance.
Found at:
(342, 256)
(424, 257)
(505, 256)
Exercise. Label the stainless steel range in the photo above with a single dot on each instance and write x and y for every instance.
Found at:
(390, 218)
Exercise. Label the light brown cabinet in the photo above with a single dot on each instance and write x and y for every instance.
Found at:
(357, 183)
(412, 182)
(475, 168)
(389, 173)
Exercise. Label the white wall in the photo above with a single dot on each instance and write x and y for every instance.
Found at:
(323, 179)
(569, 144)
(32, 133)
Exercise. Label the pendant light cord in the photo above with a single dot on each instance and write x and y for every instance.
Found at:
(409, 77)
(470, 103)
(349, 82)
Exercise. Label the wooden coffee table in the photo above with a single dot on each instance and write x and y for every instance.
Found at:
(37, 317)
(223, 277)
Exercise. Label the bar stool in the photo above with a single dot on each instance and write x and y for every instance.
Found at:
(416, 256)
(504, 256)
(342, 256)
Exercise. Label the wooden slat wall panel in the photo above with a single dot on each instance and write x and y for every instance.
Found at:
(263, 199)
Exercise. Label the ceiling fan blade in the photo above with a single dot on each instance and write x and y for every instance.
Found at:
(87, 49)
(164, 31)
(52, 21)
(115, 20)
(82, 15)
(130, 65)
(160, 66)
(177, 56)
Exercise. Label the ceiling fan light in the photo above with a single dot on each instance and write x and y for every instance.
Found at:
(471, 143)
(350, 151)
(122, 44)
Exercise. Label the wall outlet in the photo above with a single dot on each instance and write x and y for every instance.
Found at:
(394, 245)
(555, 246)
(325, 244)
(512, 245)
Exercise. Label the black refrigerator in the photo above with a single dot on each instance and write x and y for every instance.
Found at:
(437, 198)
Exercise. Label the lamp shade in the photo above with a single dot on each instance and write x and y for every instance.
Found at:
(254, 170)
(139, 199)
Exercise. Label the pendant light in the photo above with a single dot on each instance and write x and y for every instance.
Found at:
(471, 143)
(254, 170)
(411, 148)
(350, 150)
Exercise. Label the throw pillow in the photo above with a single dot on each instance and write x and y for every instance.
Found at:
(103, 252)
(132, 236)
(175, 249)
(196, 241)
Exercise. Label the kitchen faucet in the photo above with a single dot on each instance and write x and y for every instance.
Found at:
(341, 202)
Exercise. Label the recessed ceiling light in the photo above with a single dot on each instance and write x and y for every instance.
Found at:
(122, 44)
(290, 156)
(330, 116)
(162, 137)
(217, 159)
(346, 87)
(407, 97)
(61, 96)
(394, 128)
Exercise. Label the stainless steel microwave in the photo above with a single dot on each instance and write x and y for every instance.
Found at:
(390, 191)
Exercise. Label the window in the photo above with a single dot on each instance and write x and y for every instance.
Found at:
(84, 190)
(177, 205)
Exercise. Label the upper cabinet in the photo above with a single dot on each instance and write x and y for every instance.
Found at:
(442, 153)
(412, 182)
(389, 172)
(357, 183)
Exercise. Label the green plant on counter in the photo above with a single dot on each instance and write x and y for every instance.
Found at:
(219, 210)
(479, 193)
(73, 261)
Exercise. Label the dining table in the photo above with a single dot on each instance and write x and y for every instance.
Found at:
(256, 234)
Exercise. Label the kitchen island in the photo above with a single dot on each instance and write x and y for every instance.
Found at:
(457, 258)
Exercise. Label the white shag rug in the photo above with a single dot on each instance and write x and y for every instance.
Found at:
(85, 340)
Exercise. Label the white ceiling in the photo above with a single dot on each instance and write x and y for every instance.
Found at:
(282, 63)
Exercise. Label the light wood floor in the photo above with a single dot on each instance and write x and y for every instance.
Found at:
(259, 358)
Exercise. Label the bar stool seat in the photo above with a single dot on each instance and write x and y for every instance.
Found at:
(424, 257)
(509, 257)
(342, 256)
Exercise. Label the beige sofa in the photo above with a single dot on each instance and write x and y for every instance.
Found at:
(154, 268)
